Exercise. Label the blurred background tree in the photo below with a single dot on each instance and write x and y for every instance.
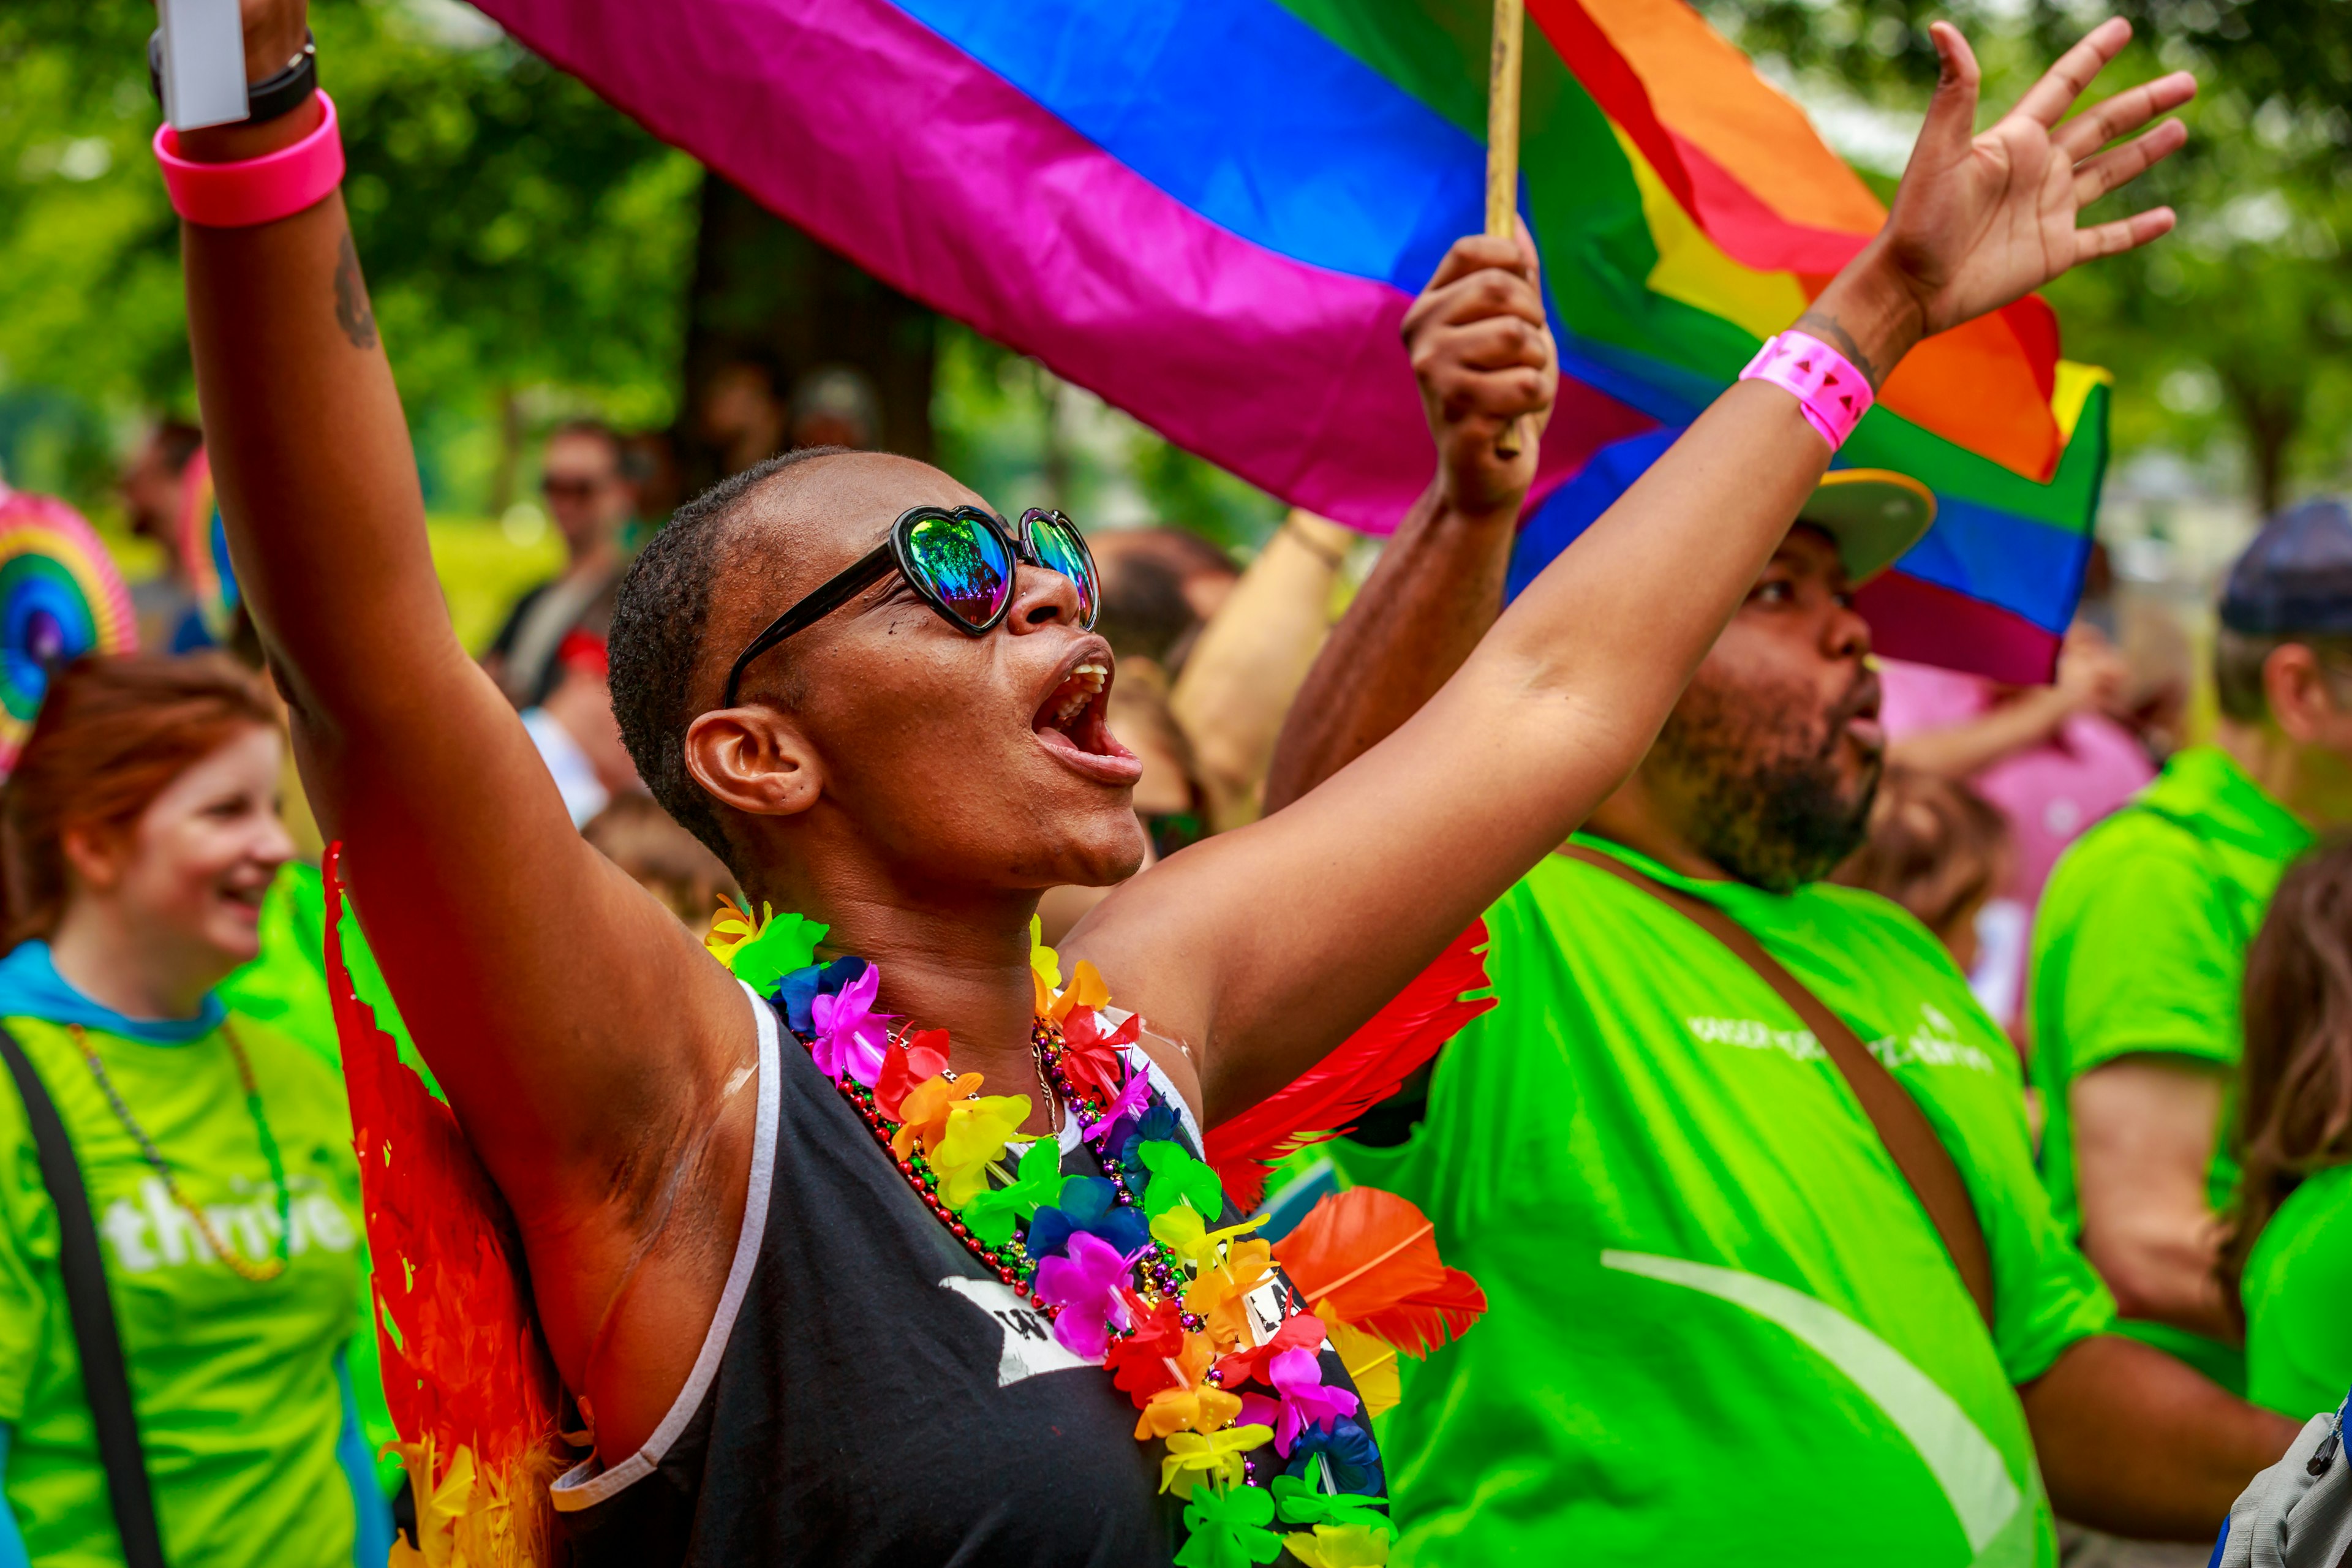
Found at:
(532, 254)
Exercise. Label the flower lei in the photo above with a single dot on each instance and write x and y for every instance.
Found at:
(1124, 1265)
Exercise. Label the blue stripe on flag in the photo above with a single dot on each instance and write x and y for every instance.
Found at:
(1248, 115)
(2014, 563)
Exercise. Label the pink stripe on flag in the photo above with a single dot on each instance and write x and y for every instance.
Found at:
(886, 142)
(1926, 623)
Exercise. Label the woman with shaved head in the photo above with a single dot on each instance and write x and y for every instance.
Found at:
(881, 704)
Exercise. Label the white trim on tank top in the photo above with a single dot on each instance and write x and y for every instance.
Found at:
(584, 1486)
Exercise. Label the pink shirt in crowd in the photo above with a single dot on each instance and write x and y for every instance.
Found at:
(2050, 793)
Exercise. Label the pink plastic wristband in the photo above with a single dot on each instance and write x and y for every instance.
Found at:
(1832, 394)
(257, 190)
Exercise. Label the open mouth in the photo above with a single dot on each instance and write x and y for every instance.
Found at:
(245, 898)
(1073, 722)
(1858, 720)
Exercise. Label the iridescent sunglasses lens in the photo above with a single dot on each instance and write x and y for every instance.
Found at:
(965, 563)
(1058, 546)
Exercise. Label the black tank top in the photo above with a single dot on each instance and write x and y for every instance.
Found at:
(870, 1394)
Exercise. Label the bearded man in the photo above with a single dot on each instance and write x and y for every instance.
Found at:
(1741, 1164)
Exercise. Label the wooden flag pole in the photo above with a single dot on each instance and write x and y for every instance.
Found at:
(1502, 145)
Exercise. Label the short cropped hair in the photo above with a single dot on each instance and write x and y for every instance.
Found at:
(2239, 657)
(659, 624)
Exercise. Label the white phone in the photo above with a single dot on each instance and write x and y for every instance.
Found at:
(204, 63)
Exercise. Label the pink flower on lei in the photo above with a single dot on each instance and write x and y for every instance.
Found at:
(1298, 1376)
(1134, 1096)
(1084, 1281)
(850, 1036)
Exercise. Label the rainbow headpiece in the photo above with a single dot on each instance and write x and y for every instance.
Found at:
(61, 597)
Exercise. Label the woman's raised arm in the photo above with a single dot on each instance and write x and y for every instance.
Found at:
(576, 1026)
(1262, 949)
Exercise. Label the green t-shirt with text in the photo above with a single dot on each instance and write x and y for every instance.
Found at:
(1720, 1326)
(2139, 947)
(234, 1383)
(2298, 1296)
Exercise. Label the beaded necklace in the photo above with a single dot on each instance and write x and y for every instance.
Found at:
(254, 1273)
(1124, 1265)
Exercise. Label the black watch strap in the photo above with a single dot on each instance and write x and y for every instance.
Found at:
(281, 93)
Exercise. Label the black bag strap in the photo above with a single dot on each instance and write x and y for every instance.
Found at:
(105, 1378)
(1903, 1127)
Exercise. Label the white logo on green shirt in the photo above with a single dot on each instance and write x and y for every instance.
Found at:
(156, 1233)
(1936, 1043)
(1755, 1034)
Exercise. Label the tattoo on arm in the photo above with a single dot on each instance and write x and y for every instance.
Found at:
(352, 312)
(1827, 326)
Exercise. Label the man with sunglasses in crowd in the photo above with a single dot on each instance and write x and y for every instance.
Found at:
(591, 500)
(1740, 1164)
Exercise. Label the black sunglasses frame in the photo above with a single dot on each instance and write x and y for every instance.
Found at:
(892, 555)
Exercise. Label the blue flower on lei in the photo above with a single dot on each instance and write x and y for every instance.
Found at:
(799, 989)
(1090, 1205)
(1354, 1459)
(1157, 1124)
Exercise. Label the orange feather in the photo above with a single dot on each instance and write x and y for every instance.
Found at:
(1368, 1260)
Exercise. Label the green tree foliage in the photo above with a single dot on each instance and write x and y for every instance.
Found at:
(529, 250)
(518, 231)
(2233, 337)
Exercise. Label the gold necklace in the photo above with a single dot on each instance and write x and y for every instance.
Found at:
(255, 1273)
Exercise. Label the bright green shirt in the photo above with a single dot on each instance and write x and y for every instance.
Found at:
(1720, 1326)
(2139, 947)
(235, 1384)
(2298, 1296)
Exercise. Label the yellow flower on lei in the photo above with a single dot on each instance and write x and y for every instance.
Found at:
(977, 1131)
(1218, 1456)
(1339, 1546)
(1216, 1293)
(1182, 1231)
(1044, 965)
(730, 928)
(923, 1114)
(1201, 1408)
(1371, 1366)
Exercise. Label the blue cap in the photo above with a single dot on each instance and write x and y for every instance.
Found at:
(2297, 576)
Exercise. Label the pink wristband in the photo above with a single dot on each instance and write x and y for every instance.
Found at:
(1832, 394)
(258, 190)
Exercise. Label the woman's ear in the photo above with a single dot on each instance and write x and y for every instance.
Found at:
(94, 855)
(755, 759)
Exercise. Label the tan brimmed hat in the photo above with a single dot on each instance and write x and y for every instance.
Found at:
(1874, 515)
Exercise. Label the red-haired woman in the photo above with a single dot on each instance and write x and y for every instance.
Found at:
(137, 836)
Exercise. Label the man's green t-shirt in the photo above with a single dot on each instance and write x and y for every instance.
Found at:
(236, 1385)
(1720, 1326)
(2298, 1296)
(2139, 947)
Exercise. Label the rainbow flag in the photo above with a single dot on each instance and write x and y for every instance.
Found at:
(1213, 212)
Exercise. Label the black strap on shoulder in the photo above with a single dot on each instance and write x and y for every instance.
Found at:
(1909, 1137)
(105, 1378)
